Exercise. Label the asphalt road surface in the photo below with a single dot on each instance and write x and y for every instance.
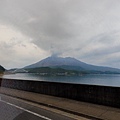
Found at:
(12, 109)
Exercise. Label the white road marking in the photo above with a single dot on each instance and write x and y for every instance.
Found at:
(36, 114)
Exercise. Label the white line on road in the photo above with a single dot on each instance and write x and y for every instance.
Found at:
(36, 114)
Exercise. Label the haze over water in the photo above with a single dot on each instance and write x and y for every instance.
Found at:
(96, 79)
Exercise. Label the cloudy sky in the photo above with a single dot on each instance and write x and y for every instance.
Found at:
(31, 30)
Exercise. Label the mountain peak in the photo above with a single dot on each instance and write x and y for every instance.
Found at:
(56, 61)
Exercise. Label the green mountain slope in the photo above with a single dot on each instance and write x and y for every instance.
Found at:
(45, 71)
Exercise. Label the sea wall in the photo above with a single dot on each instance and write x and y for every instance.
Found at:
(103, 95)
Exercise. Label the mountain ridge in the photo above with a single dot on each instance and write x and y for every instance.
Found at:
(70, 64)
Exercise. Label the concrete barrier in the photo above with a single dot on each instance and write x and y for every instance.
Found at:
(103, 95)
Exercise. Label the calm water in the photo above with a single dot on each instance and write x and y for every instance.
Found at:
(104, 79)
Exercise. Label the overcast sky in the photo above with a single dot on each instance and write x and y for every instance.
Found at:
(88, 30)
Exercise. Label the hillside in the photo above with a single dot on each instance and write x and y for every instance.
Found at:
(2, 69)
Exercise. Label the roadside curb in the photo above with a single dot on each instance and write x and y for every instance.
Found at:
(58, 108)
(82, 109)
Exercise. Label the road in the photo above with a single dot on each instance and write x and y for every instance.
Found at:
(12, 109)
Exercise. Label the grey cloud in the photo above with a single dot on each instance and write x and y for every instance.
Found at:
(109, 44)
(82, 29)
(52, 18)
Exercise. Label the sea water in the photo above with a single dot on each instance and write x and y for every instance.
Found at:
(91, 79)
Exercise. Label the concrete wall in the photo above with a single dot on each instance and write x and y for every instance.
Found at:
(88, 93)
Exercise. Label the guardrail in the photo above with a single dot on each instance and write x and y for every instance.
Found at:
(103, 95)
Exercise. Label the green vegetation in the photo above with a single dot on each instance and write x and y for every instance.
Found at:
(2, 69)
(47, 71)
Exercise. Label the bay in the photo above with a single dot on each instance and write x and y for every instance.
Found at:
(91, 79)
